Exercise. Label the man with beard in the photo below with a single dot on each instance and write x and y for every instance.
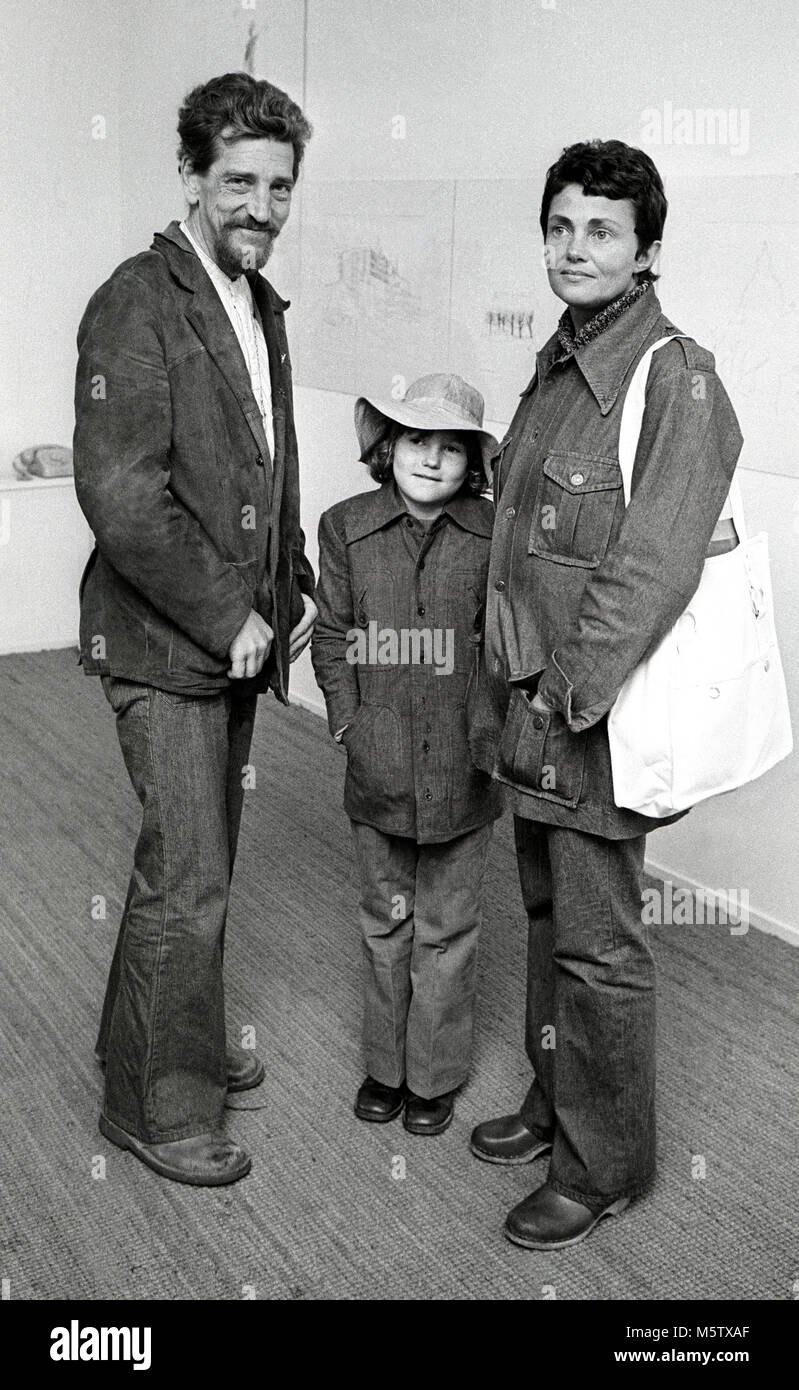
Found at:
(196, 599)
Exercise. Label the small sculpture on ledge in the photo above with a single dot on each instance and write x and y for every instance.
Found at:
(44, 461)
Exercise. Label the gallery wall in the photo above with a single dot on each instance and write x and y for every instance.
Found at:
(414, 245)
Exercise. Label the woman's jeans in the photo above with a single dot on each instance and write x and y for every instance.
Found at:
(420, 916)
(163, 1024)
(590, 1030)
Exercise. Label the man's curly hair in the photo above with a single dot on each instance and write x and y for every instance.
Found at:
(380, 460)
(244, 108)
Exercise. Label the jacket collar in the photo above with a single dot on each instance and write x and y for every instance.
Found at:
(187, 267)
(207, 316)
(385, 506)
(606, 361)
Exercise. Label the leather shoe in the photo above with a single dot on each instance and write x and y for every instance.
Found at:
(203, 1160)
(428, 1116)
(244, 1069)
(547, 1221)
(378, 1103)
(507, 1140)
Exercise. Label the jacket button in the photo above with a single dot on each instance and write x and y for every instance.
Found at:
(409, 521)
(538, 722)
(500, 586)
(421, 610)
(576, 479)
(428, 795)
(510, 511)
(259, 459)
(425, 747)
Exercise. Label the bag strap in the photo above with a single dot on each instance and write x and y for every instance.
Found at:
(630, 432)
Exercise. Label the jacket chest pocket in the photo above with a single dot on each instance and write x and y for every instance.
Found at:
(375, 599)
(465, 616)
(574, 509)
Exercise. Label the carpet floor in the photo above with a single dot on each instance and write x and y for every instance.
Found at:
(335, 1209)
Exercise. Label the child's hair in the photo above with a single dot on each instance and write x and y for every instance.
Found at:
(381, 459)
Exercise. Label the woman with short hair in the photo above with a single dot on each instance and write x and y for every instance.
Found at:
(580, 591)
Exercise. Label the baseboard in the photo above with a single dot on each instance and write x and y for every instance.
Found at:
(761, 921)
(315, 706)
(43, 644)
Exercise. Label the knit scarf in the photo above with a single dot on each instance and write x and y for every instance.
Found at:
(571, 341)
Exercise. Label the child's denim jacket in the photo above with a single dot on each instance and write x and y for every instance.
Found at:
(396, 651)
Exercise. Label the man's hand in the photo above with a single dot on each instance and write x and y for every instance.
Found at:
(250, 647)
(301, 636)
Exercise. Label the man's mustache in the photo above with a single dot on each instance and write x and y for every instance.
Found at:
(250, 226)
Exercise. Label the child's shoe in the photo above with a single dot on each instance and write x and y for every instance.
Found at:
(428, 1116)
(379, 1103)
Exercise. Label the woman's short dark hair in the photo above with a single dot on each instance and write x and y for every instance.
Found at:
(244, 107)
(611, 169)
(380, 461)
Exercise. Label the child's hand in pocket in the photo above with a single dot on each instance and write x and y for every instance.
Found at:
(301, 634)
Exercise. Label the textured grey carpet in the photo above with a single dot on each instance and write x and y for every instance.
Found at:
(322, 1214)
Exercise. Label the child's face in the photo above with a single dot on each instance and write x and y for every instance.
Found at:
(429, 468)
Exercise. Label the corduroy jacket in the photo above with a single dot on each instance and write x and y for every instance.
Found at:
(395, 650)
(194, 524)
(580, 588)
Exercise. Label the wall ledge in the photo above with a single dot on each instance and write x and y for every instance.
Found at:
(10, 483)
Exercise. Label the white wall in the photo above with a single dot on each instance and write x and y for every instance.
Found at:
(59, 70)
(489, 91)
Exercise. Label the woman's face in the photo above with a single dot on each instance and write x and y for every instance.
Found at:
(592, 252)
(429, 468)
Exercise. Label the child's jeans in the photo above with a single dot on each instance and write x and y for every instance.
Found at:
(419, 914)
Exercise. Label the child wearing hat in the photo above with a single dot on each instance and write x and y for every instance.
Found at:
(396, 651)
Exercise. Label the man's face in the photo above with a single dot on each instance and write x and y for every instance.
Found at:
(240, 204)
(592, 251)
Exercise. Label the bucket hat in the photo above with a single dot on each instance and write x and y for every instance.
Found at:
(438, 402)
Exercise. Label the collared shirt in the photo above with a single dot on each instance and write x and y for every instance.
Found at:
(237, 301)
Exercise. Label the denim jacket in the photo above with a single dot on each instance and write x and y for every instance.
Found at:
(580, 588)
(195, 524)
(382, 579)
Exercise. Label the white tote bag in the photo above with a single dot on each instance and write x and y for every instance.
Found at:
(707, 711)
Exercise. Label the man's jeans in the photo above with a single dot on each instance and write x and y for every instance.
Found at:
(420, 915)
(590, 1030)
(163, 1024)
